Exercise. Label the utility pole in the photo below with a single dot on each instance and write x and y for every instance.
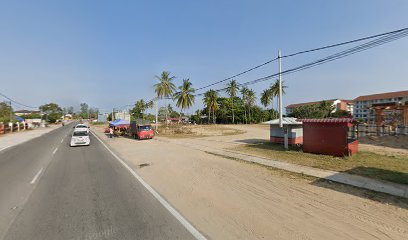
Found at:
(285, 130)
(157, 111)
(11, 112)
(113, 114)
(280, 89)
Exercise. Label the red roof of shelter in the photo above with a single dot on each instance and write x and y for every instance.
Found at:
(327, 120)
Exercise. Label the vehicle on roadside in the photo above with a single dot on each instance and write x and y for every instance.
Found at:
(81, 127)
(80, 138)
(140, 129)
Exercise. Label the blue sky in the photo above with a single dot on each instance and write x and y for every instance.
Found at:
(106, 53)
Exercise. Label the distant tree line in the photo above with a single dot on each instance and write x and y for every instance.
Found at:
(239, 107)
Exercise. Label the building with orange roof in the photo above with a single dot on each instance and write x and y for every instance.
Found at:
(382, 108)
(338, 104)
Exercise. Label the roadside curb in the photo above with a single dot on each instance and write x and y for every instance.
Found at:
(391, 188)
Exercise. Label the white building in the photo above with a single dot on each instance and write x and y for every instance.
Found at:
(122, 115)
(338, 104)
(365, 105)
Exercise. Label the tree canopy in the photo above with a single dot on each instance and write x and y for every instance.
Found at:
(5, 112)
(52, 112)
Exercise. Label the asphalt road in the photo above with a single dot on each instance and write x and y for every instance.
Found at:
(49, 190)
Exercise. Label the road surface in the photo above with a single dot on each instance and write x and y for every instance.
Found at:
(49, 190)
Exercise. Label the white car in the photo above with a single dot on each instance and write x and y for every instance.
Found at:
(81, 127)
(80, 138)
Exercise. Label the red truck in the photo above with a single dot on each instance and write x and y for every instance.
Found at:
(141, 130)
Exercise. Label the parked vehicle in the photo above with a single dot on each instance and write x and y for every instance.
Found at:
(80, 138)
(141, 130)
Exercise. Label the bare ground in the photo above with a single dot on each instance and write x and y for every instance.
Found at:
(227, 199)
(386, 145)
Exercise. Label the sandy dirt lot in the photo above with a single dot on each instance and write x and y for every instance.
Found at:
(247, 134)
(227, 199)
(387, 145)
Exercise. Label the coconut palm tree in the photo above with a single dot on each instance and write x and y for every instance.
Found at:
(141, 106)
(326, 107)
(150, 104)
(165, 88)
(251, 99)
(244, 91)
(231, 90)
(206, 101)
(185, 97)
(210, 100)
(266, 97)
(275, 91)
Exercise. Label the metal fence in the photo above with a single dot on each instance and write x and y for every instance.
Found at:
(362, 130)
(5, 128)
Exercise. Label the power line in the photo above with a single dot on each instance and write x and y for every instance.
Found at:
(239, 74)
(382, 38)
(345, 43)
(374, 43)
(307, 51)
(333, 57)
(18, 103)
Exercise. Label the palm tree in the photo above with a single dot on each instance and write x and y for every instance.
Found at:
(251, 99)
(244, 91)
(266, 97)
(232, 89)
(206, 101)
(275, 91)
(165, 88)
(326, 107)
(150, 104)
(185, 97)
(210, 99)
(141, 106)
(198, 114)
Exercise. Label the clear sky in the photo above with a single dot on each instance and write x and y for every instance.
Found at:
(106, 53)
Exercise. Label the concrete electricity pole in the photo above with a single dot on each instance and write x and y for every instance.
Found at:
(285, 129)
(157, 111)
(11, 112)
(280, 89)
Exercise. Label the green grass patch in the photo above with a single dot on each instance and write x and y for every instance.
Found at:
(99, 123)
(368, 164)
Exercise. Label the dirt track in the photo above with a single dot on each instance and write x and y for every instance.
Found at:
(227, 199)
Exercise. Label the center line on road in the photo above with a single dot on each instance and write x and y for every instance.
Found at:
(55, 150)
(36, 176)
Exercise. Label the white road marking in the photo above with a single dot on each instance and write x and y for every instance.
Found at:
(36, 176)
(62, 140)
(55, 150)
(5, 148)
(165, 204)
